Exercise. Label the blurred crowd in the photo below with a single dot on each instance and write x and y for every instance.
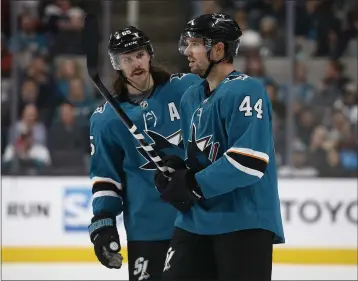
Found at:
(56, 98)
(54, 95)
(323, 28)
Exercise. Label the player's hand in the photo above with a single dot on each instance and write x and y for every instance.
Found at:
(182, 188)
(161, 182)
(174, 163)
(104, 236)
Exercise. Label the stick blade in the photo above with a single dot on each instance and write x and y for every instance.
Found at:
(91, 41)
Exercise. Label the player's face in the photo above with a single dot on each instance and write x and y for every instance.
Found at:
(197, 55)
(135, 66)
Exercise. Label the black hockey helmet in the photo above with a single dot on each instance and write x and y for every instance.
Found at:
(213, 28)
(127, 40)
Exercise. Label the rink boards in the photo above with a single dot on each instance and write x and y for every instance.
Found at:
(45, 220)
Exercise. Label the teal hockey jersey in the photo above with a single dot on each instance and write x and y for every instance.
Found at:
(122, 174)
(228, 139)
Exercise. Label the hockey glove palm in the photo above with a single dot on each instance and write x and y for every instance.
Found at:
(104, 236)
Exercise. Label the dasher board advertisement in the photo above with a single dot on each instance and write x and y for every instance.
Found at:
(49, 216)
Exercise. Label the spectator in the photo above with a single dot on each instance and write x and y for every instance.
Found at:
(326, 27)
(84, 104)
(302, 90)
(273, 41)
(306, 125)
(334, 76)
(49, 97)
(331, 165)
(319, 150)
(29, 119)
(69, 38)
(349, 32)
(28, 42)
(67, 134)
(32, 156)
(57, 14)
(68, 142)
(255, 68)
(348, 103)
(68, 69)
(331, 87)
(339, 127)
(29, 94)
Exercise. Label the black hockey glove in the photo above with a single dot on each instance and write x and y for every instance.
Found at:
(104, 236)
(172, 161)
(182, 190)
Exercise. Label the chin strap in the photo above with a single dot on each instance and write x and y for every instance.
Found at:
(211, 65)
(142, 91)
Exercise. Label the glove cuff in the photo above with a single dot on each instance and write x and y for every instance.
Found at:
(100, 222)
(194, 187)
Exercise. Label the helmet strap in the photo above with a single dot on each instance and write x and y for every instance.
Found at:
(211, 64)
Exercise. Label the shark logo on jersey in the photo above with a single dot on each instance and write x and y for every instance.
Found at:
(172, 144)
(178, 76)
(201, 152)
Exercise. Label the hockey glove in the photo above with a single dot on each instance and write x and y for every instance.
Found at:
(161, 182)
(182, 187)
(104, 236)
(173, 162)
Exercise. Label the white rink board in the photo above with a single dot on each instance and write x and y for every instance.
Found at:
(316, 213)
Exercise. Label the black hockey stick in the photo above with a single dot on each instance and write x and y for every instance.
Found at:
(91, 39)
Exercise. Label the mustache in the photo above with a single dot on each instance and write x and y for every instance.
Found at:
(137, 70)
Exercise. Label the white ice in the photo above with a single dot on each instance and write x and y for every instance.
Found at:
(94, 271)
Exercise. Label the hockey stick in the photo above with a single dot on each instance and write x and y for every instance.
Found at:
(91, 39)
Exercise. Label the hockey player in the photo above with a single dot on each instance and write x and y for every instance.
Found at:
(227, 131)
(121, 172)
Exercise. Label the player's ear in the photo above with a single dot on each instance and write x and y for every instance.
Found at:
(219, 50)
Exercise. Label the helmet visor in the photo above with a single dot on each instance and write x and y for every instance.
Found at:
(189, 39)
(125, 60)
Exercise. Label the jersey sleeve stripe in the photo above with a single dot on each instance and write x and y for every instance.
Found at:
(244, 169)
(250, 153)
(108, 180)
(105, 186)
(105, 193)
(250, 165)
